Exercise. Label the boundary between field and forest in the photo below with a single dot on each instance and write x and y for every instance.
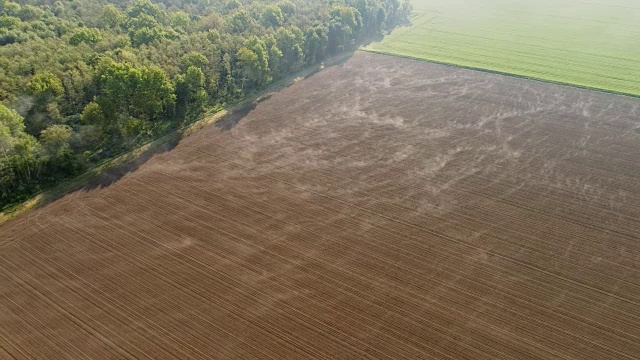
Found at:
(212, 116)
(503, 73)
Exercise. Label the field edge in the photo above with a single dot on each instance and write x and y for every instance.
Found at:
(57, 191)
(503, 73)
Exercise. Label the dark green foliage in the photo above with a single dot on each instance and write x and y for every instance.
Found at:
(84, 80)
(132, 97)
(190, 93)
(315, 43)
(30, 13)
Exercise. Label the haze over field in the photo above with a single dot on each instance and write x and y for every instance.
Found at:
(594, 44)
(381, 209)
(253, 186)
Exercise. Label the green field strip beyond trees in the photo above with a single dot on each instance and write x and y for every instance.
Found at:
(593, 44)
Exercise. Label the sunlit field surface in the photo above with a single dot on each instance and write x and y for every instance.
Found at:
(587, 43)
(383, 208)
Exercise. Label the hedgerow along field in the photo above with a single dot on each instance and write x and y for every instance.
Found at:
(593, 44)
(381, 209)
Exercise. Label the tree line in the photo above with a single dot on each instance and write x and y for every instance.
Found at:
(85, 80)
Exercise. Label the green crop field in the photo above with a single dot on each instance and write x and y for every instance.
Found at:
(592, 43)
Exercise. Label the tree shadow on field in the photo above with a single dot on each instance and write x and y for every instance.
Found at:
(107, 178)
(114, 170)
(371, 39)
(99, 177)
(133, 161)
(230, 121)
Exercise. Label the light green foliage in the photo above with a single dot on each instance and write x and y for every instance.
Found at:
(85, 35)
(11, 8)
(347, 16)
(145, 7)
(290, 42)
(8, 22)
(45, 85)
(344, 27)
(194, 78)
(272, 16)
(254, 60)
(369, 12)
(195, 59)
(179, 20)
(56, 138)
(240, 21)
(147, 35)
(315, 42)
(594, 44)
(92, 115)
(232, 5)
(287, 7)
(54, 56)
(211, 22)
(142, 21)
(11, 129)
(111, 17)
(17, 153)
(274, 54)
(11, 121)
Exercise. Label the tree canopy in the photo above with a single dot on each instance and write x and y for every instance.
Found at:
(83, 80)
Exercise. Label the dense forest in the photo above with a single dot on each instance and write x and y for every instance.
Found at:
(85, 80)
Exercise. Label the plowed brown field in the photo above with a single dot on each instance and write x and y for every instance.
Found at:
(383, 208)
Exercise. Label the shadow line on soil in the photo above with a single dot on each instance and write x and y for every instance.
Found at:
(113, 170)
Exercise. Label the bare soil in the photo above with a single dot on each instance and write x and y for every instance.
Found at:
(382, 208)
